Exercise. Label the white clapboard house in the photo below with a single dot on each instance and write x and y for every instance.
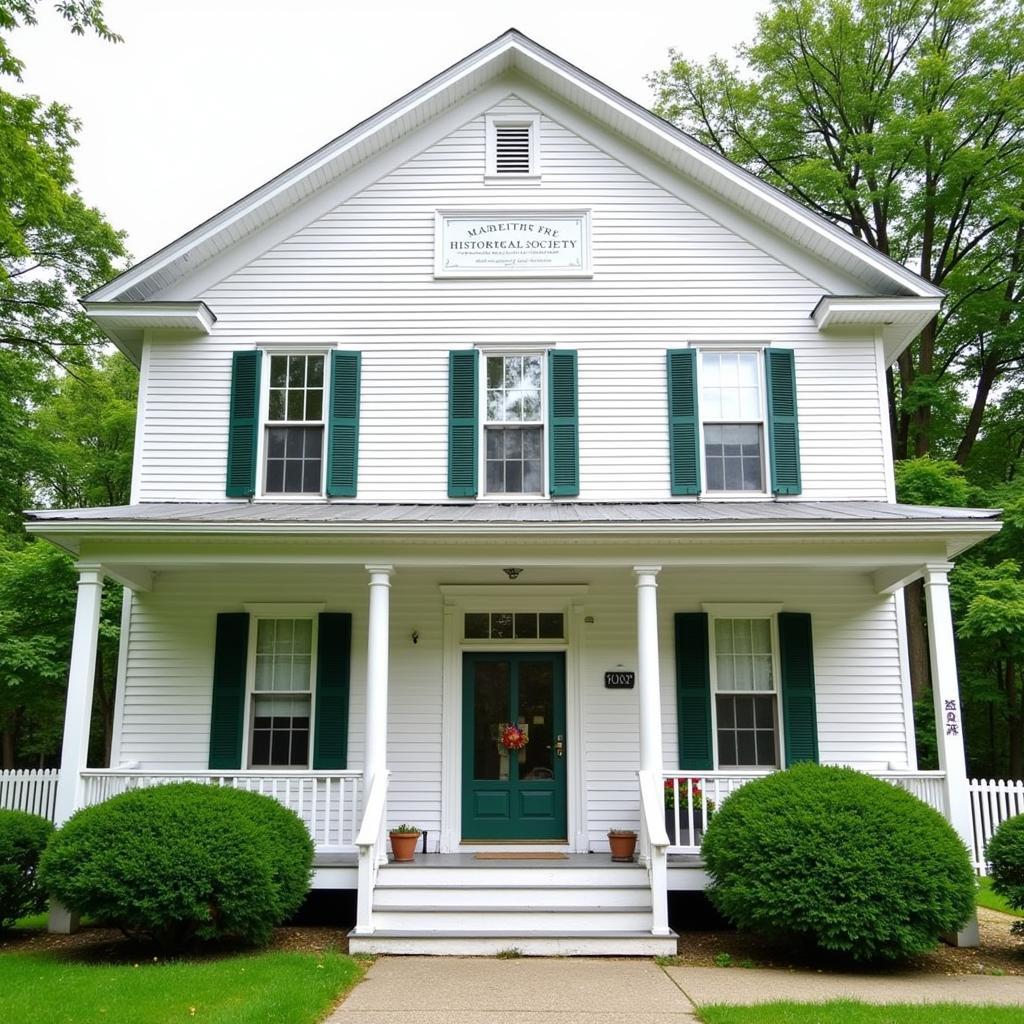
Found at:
(513, 405)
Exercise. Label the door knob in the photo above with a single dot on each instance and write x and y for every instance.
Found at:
(560, 747)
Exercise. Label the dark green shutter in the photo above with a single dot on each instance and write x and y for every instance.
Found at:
(343, 426)
(693, 692)
(333, 654)
(799, 714)
(462, 423)
(783, 432)
(243, 424)
(230, 656)
(564, 428)
(683, 427)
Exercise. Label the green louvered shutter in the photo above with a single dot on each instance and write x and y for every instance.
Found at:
(333, 654)
(462, 423)
(693, 692)
(564, 429)
(783, 432)
(243, 424)
(799, 714)
(343, 426)
(683, 428)
(228, 712)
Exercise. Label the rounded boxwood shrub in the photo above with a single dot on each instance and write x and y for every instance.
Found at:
(182, 862)
(23, 837)
(1005, 855)
(839, 861)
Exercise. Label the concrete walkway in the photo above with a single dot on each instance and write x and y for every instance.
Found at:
(454, 990)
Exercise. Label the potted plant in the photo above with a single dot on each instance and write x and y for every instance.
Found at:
(403, 843)
(623, 844)
(699, 806)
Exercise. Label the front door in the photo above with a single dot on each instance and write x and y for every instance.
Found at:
(513, 794)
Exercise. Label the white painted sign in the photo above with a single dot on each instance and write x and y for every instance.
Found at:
(512, 244)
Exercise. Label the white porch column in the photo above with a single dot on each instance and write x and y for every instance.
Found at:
(948, 720)
(377, 673)
(648, 666)
(78, 712)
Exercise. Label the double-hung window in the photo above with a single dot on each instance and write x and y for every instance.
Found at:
(514, 424)
(294, 438)
(281, 693)
(746, 693)
(732, 414)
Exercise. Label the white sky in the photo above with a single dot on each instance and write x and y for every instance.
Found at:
(207, 99)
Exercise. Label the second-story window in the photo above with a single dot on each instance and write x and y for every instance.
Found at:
(732, 414)
(514, 425)
(294, 442)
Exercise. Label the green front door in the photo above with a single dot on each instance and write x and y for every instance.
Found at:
(513, 795)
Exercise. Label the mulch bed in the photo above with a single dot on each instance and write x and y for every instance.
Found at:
(999, 952)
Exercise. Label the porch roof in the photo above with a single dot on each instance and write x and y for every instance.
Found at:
(485, 514)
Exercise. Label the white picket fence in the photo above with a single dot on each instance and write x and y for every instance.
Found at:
(992, 802)
(31, 789)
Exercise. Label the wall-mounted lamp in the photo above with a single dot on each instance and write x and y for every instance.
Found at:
(415, 636)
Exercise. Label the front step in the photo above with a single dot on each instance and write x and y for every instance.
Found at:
(457, 905)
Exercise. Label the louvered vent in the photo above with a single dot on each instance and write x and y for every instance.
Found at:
(512, 148)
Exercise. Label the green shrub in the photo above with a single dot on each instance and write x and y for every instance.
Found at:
(1005, 855)
(840, 861)
(182, 862)
(22, 839)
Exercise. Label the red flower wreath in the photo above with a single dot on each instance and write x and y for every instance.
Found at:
(514, 738)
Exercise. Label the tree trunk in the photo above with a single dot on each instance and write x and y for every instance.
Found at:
(917, 640)
(8, 746)
(922, 417)
(989, 371)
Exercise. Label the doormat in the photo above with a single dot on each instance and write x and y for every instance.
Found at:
(539, 855)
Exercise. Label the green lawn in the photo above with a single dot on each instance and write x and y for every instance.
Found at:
(987, 898)
(844, 1012)
(282, 988)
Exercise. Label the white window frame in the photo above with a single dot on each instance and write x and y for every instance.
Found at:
(491, 175)
(747, 611)
(731, 349)
(488, 352)
(257, 613)
(261, 437)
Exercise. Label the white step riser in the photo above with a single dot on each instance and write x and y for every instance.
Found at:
(442, 877)
(451, 922)
(527, 946)
(460, 898)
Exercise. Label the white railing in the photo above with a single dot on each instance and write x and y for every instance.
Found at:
(687, 798)
(31, 789)
(372, 851)
(992, 802)
(654, 847)
(327, 802)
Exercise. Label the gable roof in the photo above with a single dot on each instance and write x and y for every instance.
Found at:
(514, 51)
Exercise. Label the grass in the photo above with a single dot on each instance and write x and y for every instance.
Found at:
(847, 1012)
(987, 898)
(286, 988)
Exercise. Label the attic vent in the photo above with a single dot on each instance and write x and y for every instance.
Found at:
(512, 149)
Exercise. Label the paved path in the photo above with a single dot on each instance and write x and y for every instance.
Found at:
(456, 990)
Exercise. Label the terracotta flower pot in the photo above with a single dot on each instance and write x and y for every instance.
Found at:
(403, 846)
(623, 844)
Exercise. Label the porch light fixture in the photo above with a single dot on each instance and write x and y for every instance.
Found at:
(512, 574)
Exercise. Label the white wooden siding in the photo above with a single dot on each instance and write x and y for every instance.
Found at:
(166, 711)
(361, 277)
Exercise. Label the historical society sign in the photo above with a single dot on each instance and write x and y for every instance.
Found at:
(512, 244)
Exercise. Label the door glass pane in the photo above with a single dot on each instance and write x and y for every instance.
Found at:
(490, 712)
(536, 715)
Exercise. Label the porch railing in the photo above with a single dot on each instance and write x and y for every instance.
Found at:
(33, 790)
(372, 850)
(327, 802)
(654, 848)
(687, 798)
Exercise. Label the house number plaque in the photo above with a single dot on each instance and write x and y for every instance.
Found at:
(619, 680)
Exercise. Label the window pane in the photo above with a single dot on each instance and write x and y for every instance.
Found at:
(526, 626)
(276, 411)
(513, 444)
(763, 672)
(495, 371)
(495, 444)
(726, 673)
(746, 750)
(275, 477)
(513, 478)
(501, 626)
(293, 477)
(531, 371)
(278, 371)
(726, 712)
(477, 625)
(763, 712)
(552, 625)
(748, 375)
(765, 748)
(295, 404)
(496, 406)
(275, 443)
(314, 405)
(726, 748)
(296, 371)
(532, 478)
(513, 371)
(733, 457)
(495, 477)
(744, 712)
(311, 477)
(315, 372)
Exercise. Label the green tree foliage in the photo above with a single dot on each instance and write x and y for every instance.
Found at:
(903, 123)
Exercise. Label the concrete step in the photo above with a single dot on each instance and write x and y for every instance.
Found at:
(472, 897)
(534, 920)
(502, 874)
(532, 943)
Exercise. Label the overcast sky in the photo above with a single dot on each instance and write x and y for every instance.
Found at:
(207, 99)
